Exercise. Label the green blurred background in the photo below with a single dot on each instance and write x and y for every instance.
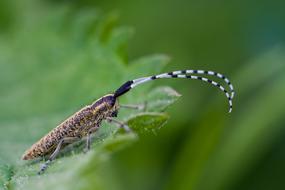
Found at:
(202, 147)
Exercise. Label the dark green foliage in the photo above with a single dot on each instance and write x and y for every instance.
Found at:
(64, 60)
(57, 56)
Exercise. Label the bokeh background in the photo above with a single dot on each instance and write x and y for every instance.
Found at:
(201, 147)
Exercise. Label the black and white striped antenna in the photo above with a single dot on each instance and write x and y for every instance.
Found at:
(181, 74)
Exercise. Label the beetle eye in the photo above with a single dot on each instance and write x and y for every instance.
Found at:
(115, 114)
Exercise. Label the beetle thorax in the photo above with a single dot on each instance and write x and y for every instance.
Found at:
(108, 105)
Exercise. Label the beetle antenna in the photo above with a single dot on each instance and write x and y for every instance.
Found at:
(181, 74)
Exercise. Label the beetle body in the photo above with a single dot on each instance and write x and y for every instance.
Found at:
(88, 119)
(76, 125)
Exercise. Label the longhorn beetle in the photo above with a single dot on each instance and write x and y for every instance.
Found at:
(88, 120)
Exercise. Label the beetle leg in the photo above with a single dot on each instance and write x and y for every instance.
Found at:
(66, 140)
(135, 106)
(118, 123)
(88, 139)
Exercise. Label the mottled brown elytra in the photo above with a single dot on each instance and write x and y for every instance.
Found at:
(88, 120)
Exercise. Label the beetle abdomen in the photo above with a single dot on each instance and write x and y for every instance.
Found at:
(77, 125)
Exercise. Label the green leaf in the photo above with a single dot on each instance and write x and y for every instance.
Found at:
(66, 59)
(118, 142)
(144, 122)
(162, 96)
(6, 172)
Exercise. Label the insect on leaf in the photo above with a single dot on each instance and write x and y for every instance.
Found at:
(62, 64)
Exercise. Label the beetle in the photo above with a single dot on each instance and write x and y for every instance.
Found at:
(88, 120)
